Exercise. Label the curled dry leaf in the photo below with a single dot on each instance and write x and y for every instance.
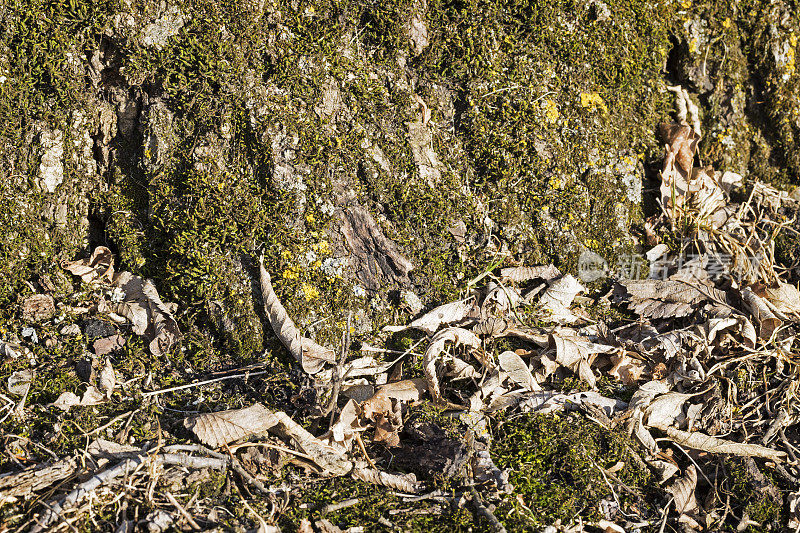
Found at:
(327, 458)
(98, 267)
(67, 400)
(513, 365)
(663, 410)
(380, 409)
(311, 356)
(626, 369)
(785, 298)
(19, 383)
(224, 427)
(558, 297)
(707, 443)
(431, 321)
(149, 315)
(577, 353)
(766, 319)
(401, 482)
(524, 273)
(457, 336)
(107, 379)
(683, 491)
(738, 323)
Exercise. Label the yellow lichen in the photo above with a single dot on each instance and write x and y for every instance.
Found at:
(551, 113)
(309, 292)
(594, 101)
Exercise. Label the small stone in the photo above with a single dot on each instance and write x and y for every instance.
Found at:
(96, 329)
(38, 307)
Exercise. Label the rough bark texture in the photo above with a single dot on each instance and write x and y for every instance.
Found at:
(352, 140)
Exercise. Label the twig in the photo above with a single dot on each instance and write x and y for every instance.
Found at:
(183, 511)
(333, 507)
(56, 509)
(338, 376)
(484, 511)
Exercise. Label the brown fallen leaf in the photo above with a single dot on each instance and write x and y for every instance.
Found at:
(149, 315)
(98, 267)
(107, 379)
(517, 370)
(224, 427)
(558, 297)
(311, 356)
(764, 316)
(445, 314)
(107, 345)
(524, 273)
(626, 369)
(577, 353)
(683, 491)
(457, 336)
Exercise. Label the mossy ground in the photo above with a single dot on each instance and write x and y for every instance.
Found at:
(542, 111)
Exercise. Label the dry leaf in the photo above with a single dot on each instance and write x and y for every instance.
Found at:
(148, 314)
(38, 307)
(683, 491)
(224, 427)
(66, 400)
(108, 344)
(558, 297)
(577, 353)
(663, 410)
(766, 319)
(431, 321)
(401, 482)
(525, 273)
(107, 379)
(346, 426)
(626, 369)
(785, 298)
(707, 443)
(327, 458)
(98, 267)
(19, 383)
(311, 356)
(513, 365)
(671, 298)
(457, 336)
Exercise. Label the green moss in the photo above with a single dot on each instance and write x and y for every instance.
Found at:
(375, 503)
(556, 464)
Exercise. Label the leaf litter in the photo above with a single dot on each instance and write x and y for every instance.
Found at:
(707, 366)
